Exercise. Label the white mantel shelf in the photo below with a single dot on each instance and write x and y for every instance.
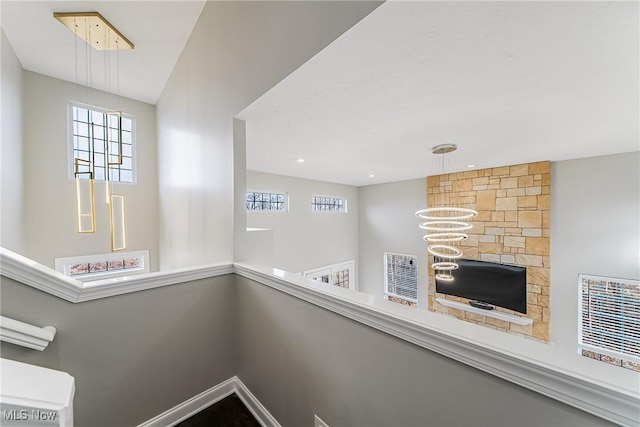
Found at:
(524, 321)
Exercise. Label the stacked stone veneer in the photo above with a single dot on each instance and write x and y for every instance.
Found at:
(512, 227)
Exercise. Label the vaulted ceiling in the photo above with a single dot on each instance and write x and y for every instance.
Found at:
(508, 82)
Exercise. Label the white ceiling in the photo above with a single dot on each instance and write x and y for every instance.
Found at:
(159, 30)
(509, 82)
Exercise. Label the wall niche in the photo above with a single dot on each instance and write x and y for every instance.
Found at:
(512, 227)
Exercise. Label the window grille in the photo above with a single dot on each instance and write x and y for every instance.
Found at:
(101, 140)
(341, 278)
(401, 276)
(609, 316)
(328, 204)
(259, 201)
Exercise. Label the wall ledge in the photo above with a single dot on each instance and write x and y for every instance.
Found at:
(606, 402)
(29, 272)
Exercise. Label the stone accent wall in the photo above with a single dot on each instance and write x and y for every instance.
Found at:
(512, 227)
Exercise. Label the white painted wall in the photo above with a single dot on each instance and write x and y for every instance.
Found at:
(304, 239)
(595, 229)
(50, 209)
(11, 153)
(236, 52)
(388, 224)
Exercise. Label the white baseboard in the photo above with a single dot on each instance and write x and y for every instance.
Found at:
(207, 398)
(260, 413)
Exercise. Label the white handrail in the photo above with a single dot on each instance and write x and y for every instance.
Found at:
(24, 334)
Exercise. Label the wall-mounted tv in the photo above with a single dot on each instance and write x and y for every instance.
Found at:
(488, 284)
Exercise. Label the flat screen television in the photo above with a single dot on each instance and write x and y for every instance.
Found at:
(488, 284)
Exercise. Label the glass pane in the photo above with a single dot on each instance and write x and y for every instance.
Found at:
(99, 174)
(114, 174)
(82, 143)
(126, 137)
(127, 163)
(126, 176)
(81, 114)
(81, 129)
(113, 121)
(126, 150)
(98, 132)
(127, 124)
(97, 118)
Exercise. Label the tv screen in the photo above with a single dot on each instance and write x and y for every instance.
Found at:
(488, 282)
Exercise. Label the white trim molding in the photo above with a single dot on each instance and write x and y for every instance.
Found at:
(618, 406)
(518, 320)
(25, 334)
(525, 363)
(29, 272)
(209, 397)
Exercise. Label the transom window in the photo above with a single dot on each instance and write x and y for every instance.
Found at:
(101, 141)
(401, 278)
(261, 201)
(328, 204)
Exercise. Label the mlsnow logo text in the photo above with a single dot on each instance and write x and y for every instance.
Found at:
(25, 415)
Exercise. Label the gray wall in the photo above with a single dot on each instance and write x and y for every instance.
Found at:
(133, 356)
(388, 224)
(236, 52)
(303, 239)
(12, 233)
(300, 360)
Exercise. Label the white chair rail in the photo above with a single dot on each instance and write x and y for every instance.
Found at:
(24, 334)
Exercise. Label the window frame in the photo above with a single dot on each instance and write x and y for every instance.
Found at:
(70, 140)
(388, 294)
(286, 201)
(585, 346)
(344, 204)
(331, 270)
(65, 265)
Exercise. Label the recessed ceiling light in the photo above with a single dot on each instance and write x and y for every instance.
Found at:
(300, 160)
(471, 166)
(372, 176)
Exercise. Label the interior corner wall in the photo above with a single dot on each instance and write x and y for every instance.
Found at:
(132, 356)
(301, 360)
(387, 223)
(50, 205)
(236, 52)
(11, 153)
(303, 239)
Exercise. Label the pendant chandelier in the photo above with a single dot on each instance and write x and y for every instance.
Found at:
(100, 35)
(445, 223)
